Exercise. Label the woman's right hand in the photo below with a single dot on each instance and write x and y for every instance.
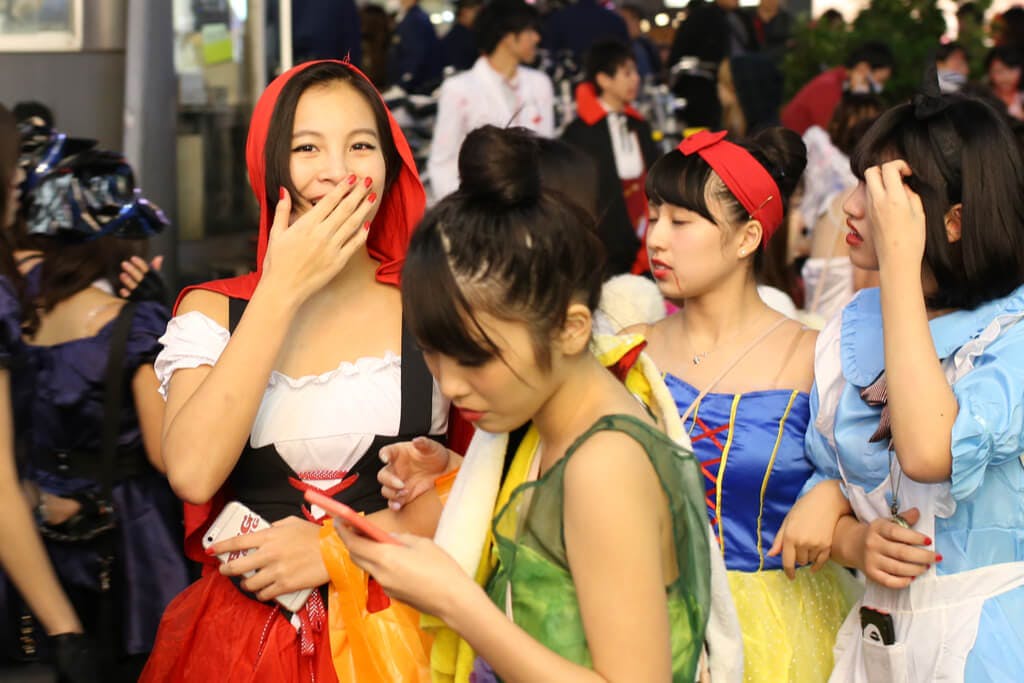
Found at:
(410, 468)
(805, 536)
(304, 256)
(892, 554)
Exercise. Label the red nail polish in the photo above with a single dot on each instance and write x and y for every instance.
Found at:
(927, 541)
(938, 558)
(372, 198)
(366, 225)
(352, 179)
(368, 181)
(281, 196)
(211, 551)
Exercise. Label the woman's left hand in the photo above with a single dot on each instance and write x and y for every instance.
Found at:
(286, 558)
(896, 214)
(416, 571)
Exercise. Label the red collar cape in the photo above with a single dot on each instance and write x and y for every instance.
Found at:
(590, 109)
(400, 211)
(744, 175)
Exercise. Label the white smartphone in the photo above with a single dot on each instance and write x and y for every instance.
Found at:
(235, 520)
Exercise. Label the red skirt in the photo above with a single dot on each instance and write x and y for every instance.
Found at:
(214, 632)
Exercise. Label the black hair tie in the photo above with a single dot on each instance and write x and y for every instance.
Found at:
(929, 103)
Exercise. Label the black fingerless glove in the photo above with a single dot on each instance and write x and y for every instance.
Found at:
(76, 658)
(151, 288)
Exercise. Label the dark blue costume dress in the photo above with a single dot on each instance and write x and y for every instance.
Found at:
(59, 391)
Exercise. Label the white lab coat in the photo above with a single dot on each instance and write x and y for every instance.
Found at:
(479, 97)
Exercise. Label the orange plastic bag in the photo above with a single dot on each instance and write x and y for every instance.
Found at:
(384, 646)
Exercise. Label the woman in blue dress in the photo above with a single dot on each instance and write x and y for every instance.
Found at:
(740, 373)
(112, 536)
(923, 424)
(23, 558)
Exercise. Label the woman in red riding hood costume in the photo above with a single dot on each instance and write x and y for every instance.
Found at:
(294, 377)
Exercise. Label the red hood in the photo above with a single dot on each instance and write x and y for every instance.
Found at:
(589, 106)
(400, 211)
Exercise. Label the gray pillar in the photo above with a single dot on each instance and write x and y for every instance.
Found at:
(150, 116)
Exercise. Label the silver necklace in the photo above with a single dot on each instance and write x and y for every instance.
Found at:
(894, 482)
(699, 356)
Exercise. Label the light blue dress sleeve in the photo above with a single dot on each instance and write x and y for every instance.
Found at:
(989, 427)
(818, 450)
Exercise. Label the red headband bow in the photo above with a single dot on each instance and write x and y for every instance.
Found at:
(745, 177)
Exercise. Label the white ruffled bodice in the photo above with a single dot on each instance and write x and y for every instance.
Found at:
(318, 424)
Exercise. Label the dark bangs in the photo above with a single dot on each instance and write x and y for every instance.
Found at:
(438, 314)
(681, 181)
(982, 170)
(278, 149)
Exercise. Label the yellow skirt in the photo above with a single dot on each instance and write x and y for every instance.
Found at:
(789, 627)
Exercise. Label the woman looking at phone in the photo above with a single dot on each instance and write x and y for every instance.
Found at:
(500, 287)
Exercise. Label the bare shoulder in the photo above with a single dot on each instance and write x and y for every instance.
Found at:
(657, 335)
(213, 305)
(797, 342)
(643, 329)
(608, 461)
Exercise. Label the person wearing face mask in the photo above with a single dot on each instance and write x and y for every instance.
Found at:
(619, 141)
(499, 90)
(867, 69)
(953, 67)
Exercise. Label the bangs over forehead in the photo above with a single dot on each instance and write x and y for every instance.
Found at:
(681, 181)
(965, 154)
(437, 311)
(886, 140)
(899, 134)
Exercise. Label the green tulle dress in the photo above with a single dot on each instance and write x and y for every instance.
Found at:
(532, 556)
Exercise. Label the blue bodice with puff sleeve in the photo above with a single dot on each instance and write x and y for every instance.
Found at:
(751, 450)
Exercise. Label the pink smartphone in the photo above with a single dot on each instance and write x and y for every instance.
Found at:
(363, 526)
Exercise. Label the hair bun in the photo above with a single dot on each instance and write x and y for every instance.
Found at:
(500, 166)
(784, 155)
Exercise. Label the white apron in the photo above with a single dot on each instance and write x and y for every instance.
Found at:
(936, 617)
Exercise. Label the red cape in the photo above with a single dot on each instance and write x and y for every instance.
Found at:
(401, 209)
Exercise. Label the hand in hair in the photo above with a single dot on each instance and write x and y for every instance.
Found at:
(142, 281)
(410, 469)
(306, 255)
(896, 215)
